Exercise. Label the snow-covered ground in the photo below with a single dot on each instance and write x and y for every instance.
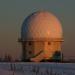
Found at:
(37, 68)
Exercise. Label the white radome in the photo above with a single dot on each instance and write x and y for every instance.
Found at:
(41, 36)
(41, 24)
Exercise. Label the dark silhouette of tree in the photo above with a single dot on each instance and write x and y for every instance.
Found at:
(57, 56)
(0, 59)
(7, 58)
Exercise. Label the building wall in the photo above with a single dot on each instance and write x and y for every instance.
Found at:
(47, 49)
(50, 48)
(38, 51)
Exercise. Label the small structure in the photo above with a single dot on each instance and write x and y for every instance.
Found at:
(41, 36)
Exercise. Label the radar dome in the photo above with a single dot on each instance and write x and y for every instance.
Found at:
(39, 25)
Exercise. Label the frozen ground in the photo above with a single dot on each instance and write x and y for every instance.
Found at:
(37, 68)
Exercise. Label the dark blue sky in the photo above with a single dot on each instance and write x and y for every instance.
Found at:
(13, 12)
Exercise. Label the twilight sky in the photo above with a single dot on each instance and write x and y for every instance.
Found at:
(13, 13)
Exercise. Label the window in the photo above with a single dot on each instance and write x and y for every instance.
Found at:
(49, 43)
(30, 52)
(30, 43)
